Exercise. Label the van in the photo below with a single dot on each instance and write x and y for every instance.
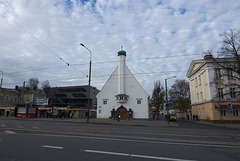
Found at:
(172, 117)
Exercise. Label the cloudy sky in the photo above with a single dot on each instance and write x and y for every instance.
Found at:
(161, 37)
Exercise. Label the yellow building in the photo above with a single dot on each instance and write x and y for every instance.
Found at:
(213, 89)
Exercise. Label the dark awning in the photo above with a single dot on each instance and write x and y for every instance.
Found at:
(236, 107)
(223, 107)
(122, 95)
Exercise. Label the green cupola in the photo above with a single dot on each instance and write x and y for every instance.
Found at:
(122, 52)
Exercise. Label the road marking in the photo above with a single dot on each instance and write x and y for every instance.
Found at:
(10, 132)
(134, 155)
(140, 141)
(34, 127)
(52, 147)
(106, 152)
(173, 143)
(3, 125)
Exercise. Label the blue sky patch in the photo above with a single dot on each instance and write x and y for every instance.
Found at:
(182, 10)
(69, 4)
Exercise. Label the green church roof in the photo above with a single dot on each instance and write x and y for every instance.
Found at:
(122, 52)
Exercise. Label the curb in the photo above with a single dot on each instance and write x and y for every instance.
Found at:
(145, 123)
(223, 125)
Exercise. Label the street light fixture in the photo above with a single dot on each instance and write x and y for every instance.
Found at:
(167, 95)
(89, 80)
(1, 87)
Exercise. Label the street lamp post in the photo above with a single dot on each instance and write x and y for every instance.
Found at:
(1, 87)
(89, 80)
(167, 95)
(1, 81)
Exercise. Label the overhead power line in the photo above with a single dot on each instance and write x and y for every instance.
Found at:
(35, 38)
(103, 62)
(97, 77)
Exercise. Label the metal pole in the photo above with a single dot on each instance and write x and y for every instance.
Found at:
(89, 81)
(1, 81)
(166, 100)
(167, 95)
(1, 85)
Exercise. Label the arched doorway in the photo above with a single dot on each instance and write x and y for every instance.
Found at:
(123, 112)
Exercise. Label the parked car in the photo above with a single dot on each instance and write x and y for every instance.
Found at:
(172, 117)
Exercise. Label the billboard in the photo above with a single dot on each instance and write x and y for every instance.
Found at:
(42, 101)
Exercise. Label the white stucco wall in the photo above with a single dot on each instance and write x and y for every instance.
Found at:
(132, 88)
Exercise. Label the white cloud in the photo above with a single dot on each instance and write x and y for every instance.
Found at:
(147, 29)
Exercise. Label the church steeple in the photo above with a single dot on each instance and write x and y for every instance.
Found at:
(122, 52)
(121, 71)
(121, 96)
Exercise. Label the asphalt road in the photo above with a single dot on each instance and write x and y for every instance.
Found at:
(26, 140)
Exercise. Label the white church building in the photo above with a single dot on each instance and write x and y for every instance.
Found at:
(122, 95)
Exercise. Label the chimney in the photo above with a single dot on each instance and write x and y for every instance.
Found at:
(16, 88)
(209, 56)
(23, 89)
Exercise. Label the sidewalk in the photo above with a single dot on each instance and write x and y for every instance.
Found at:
(132, 122)
(234, 125)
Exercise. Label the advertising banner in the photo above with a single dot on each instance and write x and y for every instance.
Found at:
(42, 101)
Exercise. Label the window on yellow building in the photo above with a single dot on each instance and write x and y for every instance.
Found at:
(220, 93)
(201, 96)
(223, 112)
(199, 77)
(217, 74)
(232, 93)
(230, 74)
(196, 81)
(236, 112)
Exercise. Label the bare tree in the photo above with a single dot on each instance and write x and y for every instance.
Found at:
(45, 84)
(180, 93)
(33, 83)
(228, 59)
(158, 96)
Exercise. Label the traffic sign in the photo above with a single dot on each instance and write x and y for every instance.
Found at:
(229, 109)
(167, 106)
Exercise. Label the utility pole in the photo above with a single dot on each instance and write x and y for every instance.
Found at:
(89, 80)
(167, 107)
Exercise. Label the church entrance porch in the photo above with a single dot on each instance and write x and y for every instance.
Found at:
(122, 111)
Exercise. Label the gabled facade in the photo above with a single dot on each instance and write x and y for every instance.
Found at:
(16, 102)
(213, 90)
(122, 94)
(9, 99)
